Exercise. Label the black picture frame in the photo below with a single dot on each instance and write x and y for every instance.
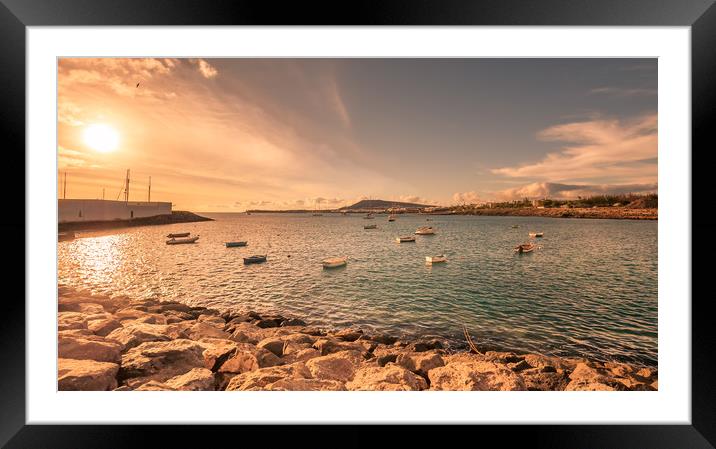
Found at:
(700, 15)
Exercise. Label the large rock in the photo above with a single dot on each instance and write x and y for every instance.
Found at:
(273, 344)
(81, 307)
(539, 380)
(134, 334)
(154, 385)
(293, 322)
(198, 379)
(135, 314)
(474, 375)
(247, 333)
(103, 327)
(348, 334)
(419, 362)
(388, 378)
(205, 330)
(259, 379)
(88, 348)
(87, 375)
(330, 345)
(160, 360)
(213, 320)
(69, 301)
(591, 377)
(300, 355)
(247, 357)
(71, 320)
(339, 366)
(164, 307)
(301, 384)
(217, 352)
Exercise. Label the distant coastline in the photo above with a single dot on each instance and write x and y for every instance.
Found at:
(622, 213)
(176, 217)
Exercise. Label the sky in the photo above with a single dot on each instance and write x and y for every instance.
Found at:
(226, 135)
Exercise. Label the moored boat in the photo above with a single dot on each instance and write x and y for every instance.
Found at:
(515, 226)
(178, 234)
(334, 262)
(179, 241)
(525, 248)
(391, 218)
(435, 259)
(235, 244)
(370, 227)
(536, 234)
(405, 239)
(254, 259)
(369, 216)
(425, 230)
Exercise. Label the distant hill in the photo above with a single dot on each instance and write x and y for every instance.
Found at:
(381, 204)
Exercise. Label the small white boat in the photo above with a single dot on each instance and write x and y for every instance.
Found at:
(405, 239)
(178, 234)
(536, 234)
(391, 218)
(435, 259)
(525, 248)
(254, 259)
(334, 262)
(370, 227)
(425, 230)
(235, 244)
(175, 241)
(515, 226)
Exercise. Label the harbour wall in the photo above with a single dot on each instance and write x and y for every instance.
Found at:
(77, 210)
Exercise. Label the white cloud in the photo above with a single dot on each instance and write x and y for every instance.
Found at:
(207, 70)
(466, 198)
(598, 149)
(540, 190)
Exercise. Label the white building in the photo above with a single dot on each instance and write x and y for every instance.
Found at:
(69, 211)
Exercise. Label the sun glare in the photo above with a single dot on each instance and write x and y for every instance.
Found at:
(101, 138)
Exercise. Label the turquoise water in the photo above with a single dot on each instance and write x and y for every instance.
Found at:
(590, 290)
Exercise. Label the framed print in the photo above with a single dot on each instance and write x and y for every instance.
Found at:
(234, 220)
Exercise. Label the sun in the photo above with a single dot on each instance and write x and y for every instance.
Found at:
(102, 138)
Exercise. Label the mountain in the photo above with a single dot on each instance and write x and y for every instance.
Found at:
(381, 204)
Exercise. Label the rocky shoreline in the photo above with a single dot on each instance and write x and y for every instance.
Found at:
(115, 343)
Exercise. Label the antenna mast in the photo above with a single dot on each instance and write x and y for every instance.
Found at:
(126, 188)
(149, 192)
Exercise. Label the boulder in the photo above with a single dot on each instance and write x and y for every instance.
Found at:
(154, 385)
(272, 344)
(247, 333)
(474, 375)
(519, 366)
(299, 338)
(330, 345)
(88, 348)
(591, 377)
(293, 322)
(266, 323)
(103, 327)
(545, 381)
(388, 378)
(425, 345)
(503, 357)
(246, 358)
(348, 334)
(260, 378)
(384, 339)
(216, 352)
(134, 314)
(301, 384)
(234, 321)
(301, 355)
(71, 320)
(68, 301)
(134, 334)
(81, 307)
(419, 362)
(205, 330)
(213, 320)
(387, 358)
(164, 307)
(339, 366)
(160, 360)
(198, 379)
(87, 375)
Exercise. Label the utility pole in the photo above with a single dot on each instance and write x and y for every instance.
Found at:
(102, 193)
(149, 192)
